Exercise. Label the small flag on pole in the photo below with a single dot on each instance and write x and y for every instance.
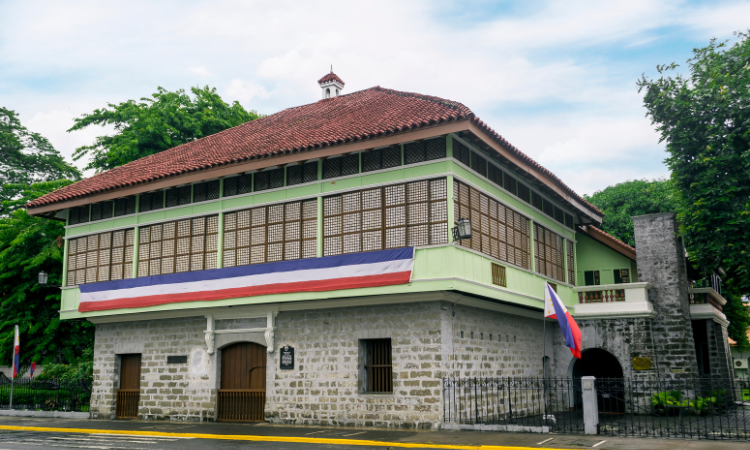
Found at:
(33, 368)
(16, 353)
(555, 309)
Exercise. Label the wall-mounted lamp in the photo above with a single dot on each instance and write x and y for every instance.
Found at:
(43, 278)
(462, 230)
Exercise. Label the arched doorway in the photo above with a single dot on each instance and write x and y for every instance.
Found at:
(610, 389)
(242, 393)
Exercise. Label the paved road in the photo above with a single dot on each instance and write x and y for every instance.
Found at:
(30, 433)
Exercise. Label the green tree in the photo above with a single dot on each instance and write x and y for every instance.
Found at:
(632, 198)
(155, 124)
(704, 118)
(29, 245)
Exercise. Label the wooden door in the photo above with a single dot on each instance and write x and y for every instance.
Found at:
(242, 397)
(130, 387)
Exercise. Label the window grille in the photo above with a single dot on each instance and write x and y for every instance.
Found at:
(435, 148)
(524, 193)
(536, 201)
(186, 245)
(79, 214)
(478, 164)
(548, 207)
(548, 253)
(571, 263)
(151, 201)
(414, 152)
(242, 184)
(125, 205)
(178, 196)
(569, 221)
(382, 158)
(497, 230)
(280, 232)
(410, 214)
(495, 175)
(498, 277)
(339, 167)
(559, 215)
(510, 184)
(208, 190)
(461, 153)
(301, 173)
(100, 257)
(270, 179)
(102, 210)
(378, 365)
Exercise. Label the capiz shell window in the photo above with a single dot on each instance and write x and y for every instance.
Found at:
(402, 215)
(186, 245)
(497, 230)
(280, 232)
(548, 253)
(100, 257)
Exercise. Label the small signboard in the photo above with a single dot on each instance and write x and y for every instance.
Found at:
(182, 359)
(287, 358)
(640, 363)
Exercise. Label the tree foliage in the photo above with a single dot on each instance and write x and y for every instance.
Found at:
(155, 124)
(621, 202)
(704, 118)
(29, 245)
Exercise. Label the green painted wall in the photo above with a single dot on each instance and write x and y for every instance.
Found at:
(442, 269)
(593, 255)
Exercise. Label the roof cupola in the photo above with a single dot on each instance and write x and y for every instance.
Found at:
(331, 85)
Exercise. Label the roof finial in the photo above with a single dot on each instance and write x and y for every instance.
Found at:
(331, 68)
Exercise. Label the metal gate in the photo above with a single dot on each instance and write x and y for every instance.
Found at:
(543, 405)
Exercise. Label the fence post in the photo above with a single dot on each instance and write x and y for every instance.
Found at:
(590, 407)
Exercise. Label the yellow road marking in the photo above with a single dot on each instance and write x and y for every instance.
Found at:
(242, 437)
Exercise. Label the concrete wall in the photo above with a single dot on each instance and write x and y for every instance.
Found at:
(593, 255)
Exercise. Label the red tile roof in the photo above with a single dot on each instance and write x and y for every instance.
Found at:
(610, 241)
(331, 77)
(358, 116)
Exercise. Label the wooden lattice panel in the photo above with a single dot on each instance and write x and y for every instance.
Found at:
(186, 245)
(571, 263)
(100, 257)
(411, 214)
(280, 232)
(497, 230)
(548, 253)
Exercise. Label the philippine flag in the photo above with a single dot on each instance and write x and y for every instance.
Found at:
(554, 308)
(16, 353)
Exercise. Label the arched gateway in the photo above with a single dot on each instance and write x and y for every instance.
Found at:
(599, 363)
(242, 393)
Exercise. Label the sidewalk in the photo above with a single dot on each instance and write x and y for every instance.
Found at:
(345, 435)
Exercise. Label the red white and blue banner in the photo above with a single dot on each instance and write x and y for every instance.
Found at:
(16, 353)
(330, 273)
(555, 309)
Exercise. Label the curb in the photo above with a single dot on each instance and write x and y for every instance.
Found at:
(46, 414)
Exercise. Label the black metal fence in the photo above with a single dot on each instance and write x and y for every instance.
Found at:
(687, 408)
(697, 408)
(46, 395)
(545, 405)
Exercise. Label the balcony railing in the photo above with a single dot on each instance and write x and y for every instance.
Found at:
(614, 300)
(706, 303)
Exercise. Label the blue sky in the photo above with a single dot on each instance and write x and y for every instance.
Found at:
(555, 78)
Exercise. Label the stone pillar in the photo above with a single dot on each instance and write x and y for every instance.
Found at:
(661, 262)
(590, 406)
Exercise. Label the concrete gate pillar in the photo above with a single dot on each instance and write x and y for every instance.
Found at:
(661, 262)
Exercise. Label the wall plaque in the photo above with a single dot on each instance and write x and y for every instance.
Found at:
(640, 363)
(182, 359)
(287, 358)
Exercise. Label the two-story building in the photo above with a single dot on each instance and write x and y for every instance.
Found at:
(303, 267)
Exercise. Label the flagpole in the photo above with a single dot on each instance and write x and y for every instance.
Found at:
(13, 368)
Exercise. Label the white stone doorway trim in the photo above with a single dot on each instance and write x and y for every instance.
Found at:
(269, 330)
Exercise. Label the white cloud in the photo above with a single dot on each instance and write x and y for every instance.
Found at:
(199, 70)
(558, 81)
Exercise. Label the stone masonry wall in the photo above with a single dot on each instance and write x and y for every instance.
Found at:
(719, 355)
(323, 388)
(168, 391)
(661, 261)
